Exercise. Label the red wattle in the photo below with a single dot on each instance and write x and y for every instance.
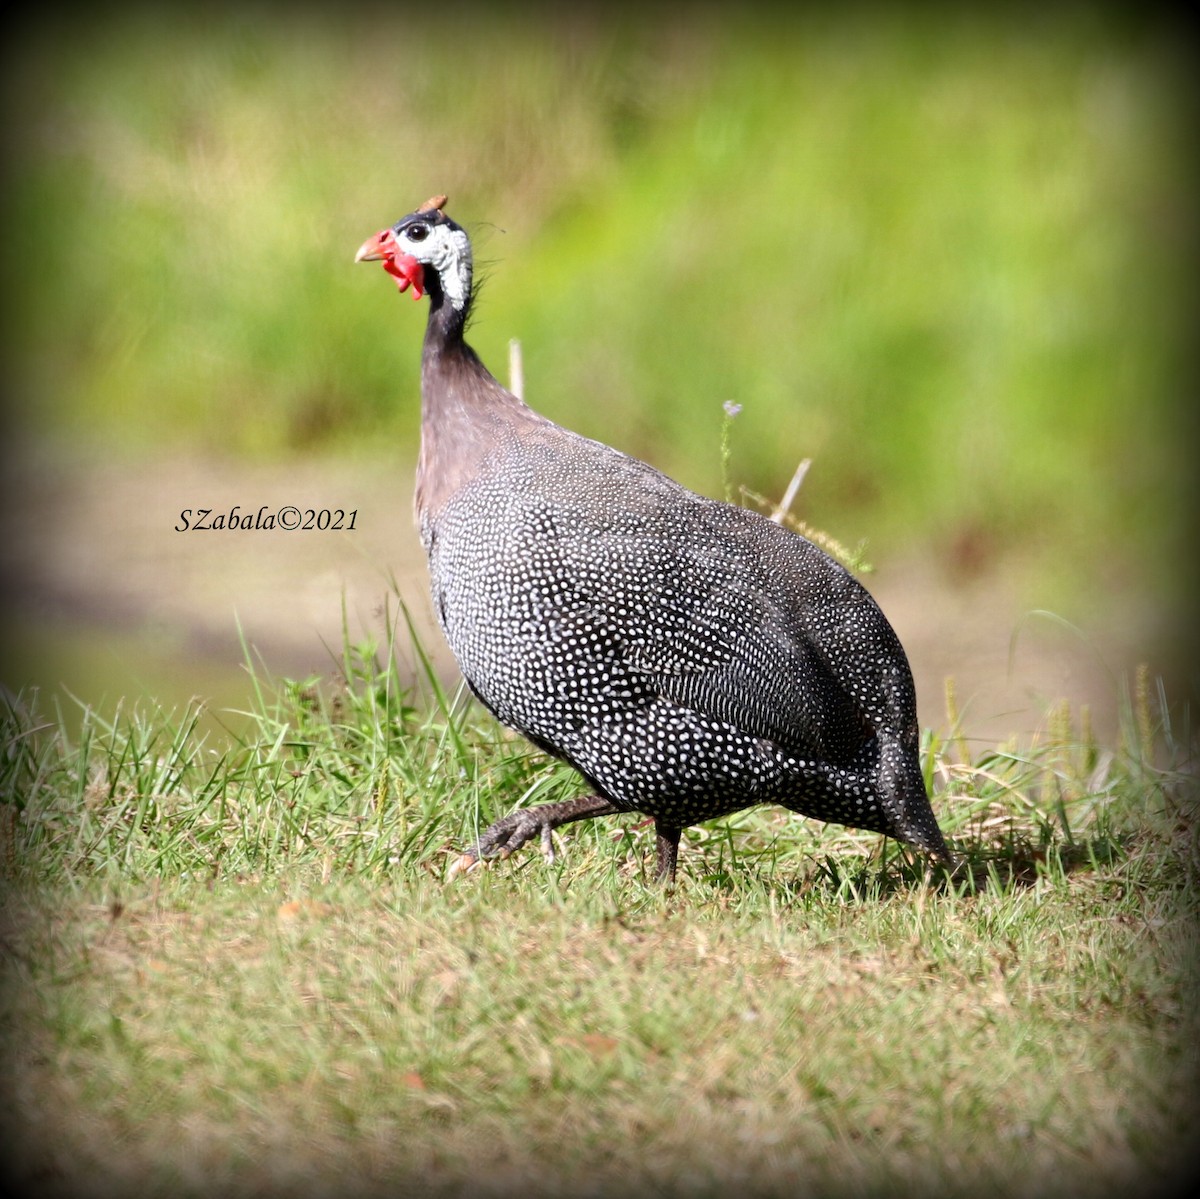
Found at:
(406, 270)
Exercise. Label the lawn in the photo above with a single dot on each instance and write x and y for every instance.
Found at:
(240, 969)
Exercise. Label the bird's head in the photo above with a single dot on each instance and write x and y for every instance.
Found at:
(427, 238)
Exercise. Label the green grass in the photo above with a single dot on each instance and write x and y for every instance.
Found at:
(238, 968)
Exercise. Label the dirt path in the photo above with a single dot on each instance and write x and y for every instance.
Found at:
(94, 548)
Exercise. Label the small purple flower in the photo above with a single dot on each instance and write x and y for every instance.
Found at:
(732, 409)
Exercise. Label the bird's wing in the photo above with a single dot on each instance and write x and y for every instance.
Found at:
(716, 628)
(717, 607)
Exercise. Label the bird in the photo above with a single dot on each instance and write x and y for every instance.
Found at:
(689, 657)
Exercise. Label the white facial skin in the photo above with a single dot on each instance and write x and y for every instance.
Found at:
(447, 250)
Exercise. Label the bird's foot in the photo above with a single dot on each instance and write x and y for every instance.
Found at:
(510, 832)
(504, 838)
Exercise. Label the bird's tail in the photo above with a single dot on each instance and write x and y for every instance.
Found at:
(882, 789)
(901, 787)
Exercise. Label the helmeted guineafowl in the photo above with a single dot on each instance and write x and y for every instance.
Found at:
(688, 657)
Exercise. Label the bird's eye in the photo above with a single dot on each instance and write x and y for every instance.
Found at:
(417, 232)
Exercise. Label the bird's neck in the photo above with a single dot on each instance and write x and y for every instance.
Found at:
(447, 320)
(452, 376)
(466, 415)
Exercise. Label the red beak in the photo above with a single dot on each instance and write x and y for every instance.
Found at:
(404, 268)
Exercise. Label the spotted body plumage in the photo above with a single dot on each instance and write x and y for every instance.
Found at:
(690, 658)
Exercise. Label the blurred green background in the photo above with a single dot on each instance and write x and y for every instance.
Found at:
(948, 255)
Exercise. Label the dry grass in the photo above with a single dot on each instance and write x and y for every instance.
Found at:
(243, 973)
(464, 1040)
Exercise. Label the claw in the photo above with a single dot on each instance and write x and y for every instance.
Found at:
(461, 865)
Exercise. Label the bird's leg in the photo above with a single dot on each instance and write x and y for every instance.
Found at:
(667, 844)
(510, 832)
